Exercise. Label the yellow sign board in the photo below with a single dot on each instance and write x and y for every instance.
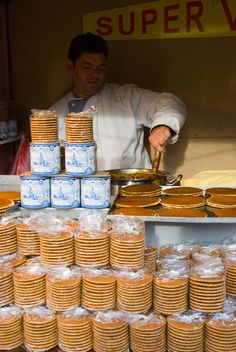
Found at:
(163, 19)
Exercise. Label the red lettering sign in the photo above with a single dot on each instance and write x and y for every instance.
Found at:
(104, 22)
(232, 23)
(149, 16)
(168, 18)
(195, 17)
(131, 24)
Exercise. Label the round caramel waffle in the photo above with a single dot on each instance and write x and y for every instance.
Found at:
(170, 295)
(127, 250)
(28, 242)
(148, 333)
(223, 191)
(29, 285)
(141, 190)
(221, 201)
(63, 289)
(5, 204)
(225, 213)
(79, 128)
(150, 257)
(185, 332)
(220, 332)
(75, 330)
(11, 328)
(134, 292)
(57, 248)
(43, 126)
(182, 201)
(99, 290)
(92, 249)
(40, 329)
(183, 191)
(8, 242)
(134, 211)
(207, 288)
(144, 201)
(110, 332)
(6, 286)
(15, 196)
(178, 212)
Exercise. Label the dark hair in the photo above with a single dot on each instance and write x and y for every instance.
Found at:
(88, 42)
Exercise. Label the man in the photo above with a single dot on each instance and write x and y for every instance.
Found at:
(121, 110)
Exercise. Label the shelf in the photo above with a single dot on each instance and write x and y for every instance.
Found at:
(10, 140)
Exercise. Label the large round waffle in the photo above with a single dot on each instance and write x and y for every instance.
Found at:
(183, 191)
(182, 201)
(219, 201)
(144, 201)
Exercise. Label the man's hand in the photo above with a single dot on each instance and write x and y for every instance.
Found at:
(159, 137)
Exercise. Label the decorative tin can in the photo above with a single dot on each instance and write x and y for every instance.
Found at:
(65, 192)
(80, 158)
(95, 191)
(35, 191)
(45, 158)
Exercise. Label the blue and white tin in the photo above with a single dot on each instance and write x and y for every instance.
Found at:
(65, 192)
(45, 158)
(35, 191)
(80, 158)
(95, 192)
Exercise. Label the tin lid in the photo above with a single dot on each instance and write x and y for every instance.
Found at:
(80, 144)
(29, 175)
(44, 143)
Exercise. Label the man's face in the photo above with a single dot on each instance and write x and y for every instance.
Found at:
(88, 73)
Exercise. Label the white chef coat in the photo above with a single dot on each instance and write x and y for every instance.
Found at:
(121, 113)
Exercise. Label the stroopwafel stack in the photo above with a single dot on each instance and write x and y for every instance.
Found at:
(209, 248)
(110, 331)
(141, 190)
(185, 332)
(57, 248)
(221, 201)
(8, 242)
(11, 328)
(92, 248)
(29, 285)
(99, 290)
(137, 202)
(134, 291)
(75, 330)
(63, 289)
(183, 201)
(148, 333)
(150, 256)
(28, 242)
(207, 289)
(230, 265)
(183, 191)
(170, 292)
(13, 260)
(5, 204)
(228, 246)
(40, 329)
(179, 250)
(220, 332)
(6, 285)
(79, 128)
(43, 126)
(127, 250)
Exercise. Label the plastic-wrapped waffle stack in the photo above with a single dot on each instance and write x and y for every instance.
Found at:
(134, 291)
(75, 330)
(13, 260)
(92, 248)
(207, 289)
(8, 241)
(6, 285)
(110, 331)
(40, 329)
(28, 242)
(43, 126)
(185, 332)
(148, 333)
(150, 257)
(99, 290)
(170, 291)
(230, 265)
(11, 328)
(63, 289)
(29, 285)
(57, 248)
(79, 128)
(220, 333)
